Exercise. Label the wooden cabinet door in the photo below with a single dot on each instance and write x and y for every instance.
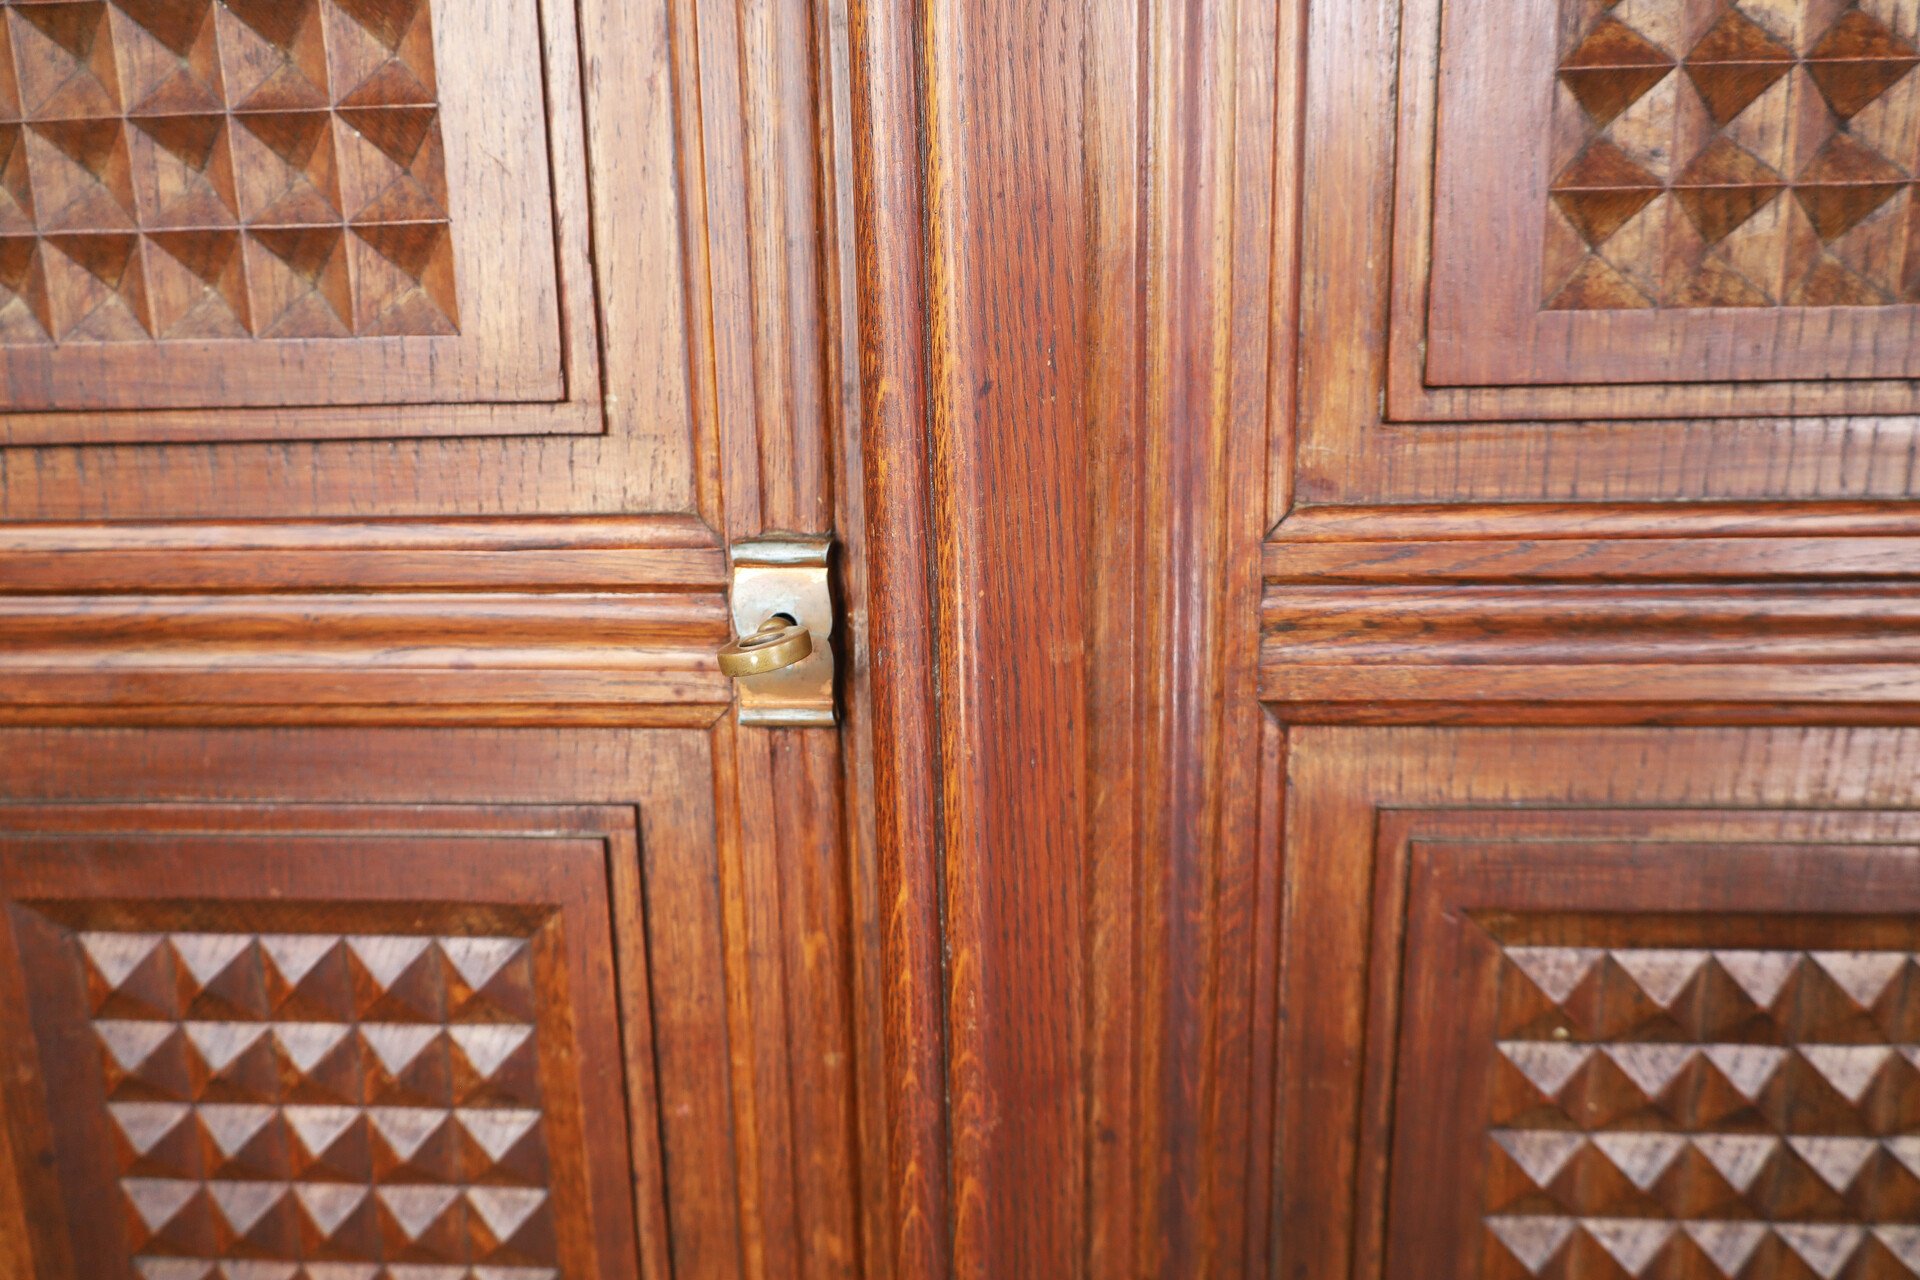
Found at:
(388, 888)
(1413, 587)
(1600, 433)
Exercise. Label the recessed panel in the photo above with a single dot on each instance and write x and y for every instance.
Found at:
(229, 204)
(1734, 160)
(1674, 191)
(1673, 1108)
(276, 1082)
(176, 170)
(1645, 1059)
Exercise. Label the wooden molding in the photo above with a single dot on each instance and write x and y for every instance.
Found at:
(885, 146)
(394, 658)
(1533, 521)
(1712, 613)
(1755, 652)
(559, 621)
(662, 553)
(1632, 607)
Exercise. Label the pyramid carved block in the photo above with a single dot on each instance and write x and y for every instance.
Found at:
(211, 155)
(1692, 1111)
(1763, 117)
(357, 1100)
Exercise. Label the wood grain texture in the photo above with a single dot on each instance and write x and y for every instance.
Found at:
(358, 656)
(1372, 431)
(1202, 388)
(851, 582)
(783, 883)
(1561, 815)
(1641, 782)
(762, 131)
(176, 785)
(543, 1058)
(1098, 315)
(1418, 522)
(1006, 313)
(652, 439)
(887, 198)
(1774, 230)
(506, 581)
(1601, 614)
(1600, 910)
(288, 621)
(305, 257)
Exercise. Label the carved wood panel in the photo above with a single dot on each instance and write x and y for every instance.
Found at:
(1660, 1109)
(1741, 217)
(182, 169)
(291, 204)
(1641, 251)
(1708, 156)
(250, 1057)
(287, 1096)
(1601, 1002)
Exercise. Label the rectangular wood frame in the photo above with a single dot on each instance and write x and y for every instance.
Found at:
(368, 869)
(524, 358)
(1361, 799)
(1370, 427)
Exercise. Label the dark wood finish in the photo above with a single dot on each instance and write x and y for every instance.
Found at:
(423, 786)
(1075, 950)
(1714, 613)
(275, 223)
(639, 368)
(1822, 807)
(1071, 545)
(1637, 237)
(1729, 1008)
(897, 543)
(1377, 430)
(1512, 494)
(556, 558)
(785, 899)
(1008, 506)
(1196, 249)
(453, 973)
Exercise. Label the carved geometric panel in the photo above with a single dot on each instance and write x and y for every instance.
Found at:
(309, 1097)
(1667, 1111)
(1736, 156)
(214, 212)
(291, 1085)
(1666, 191)
(221, 169)
(322, 1104)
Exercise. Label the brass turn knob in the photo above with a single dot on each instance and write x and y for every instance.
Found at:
(780, 642)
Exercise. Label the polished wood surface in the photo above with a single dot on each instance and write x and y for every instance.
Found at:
(1544, 479)
(652, 218)
(1725, 836)
(1238, 582)
(285, 787)
(1065, 572)
(1612, 438)
(896, 535)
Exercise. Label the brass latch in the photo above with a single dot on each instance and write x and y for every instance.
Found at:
(782, 655)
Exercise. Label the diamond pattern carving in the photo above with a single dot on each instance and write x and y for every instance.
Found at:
(221, 169)
(1663, 1112)
(1776, 169)
(323, 1106)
